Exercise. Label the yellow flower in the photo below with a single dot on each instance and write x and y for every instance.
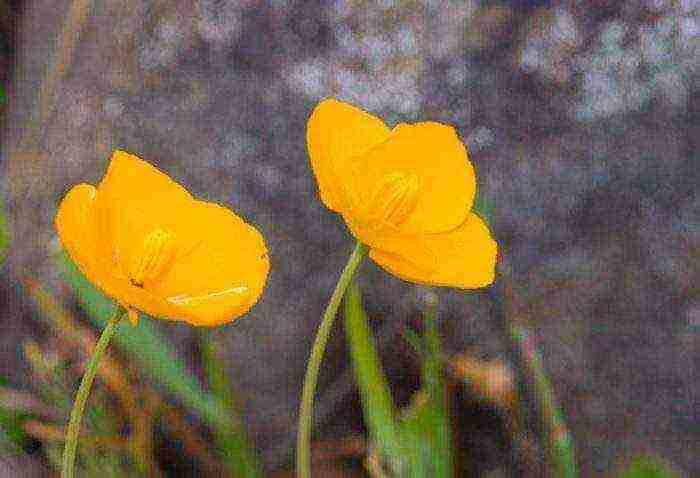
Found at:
(146, 242)
(407, 193)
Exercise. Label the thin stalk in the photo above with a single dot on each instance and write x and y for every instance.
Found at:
(559, 444)
(314, 365)
(76, 416)
(434, 384)
(557, 435)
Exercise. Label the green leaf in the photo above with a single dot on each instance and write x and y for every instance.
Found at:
(157, 359)
(377, 403)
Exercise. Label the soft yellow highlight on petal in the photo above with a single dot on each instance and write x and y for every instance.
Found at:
(143, 240)
(235, 256)
(336, 133)
(465, 258)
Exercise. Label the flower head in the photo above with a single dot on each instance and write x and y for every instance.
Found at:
(406, 192)
(145, 241)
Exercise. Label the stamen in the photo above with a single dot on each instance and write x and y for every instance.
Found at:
(392, 200)
(156, 254)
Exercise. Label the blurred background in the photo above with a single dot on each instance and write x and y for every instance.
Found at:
(582, 118)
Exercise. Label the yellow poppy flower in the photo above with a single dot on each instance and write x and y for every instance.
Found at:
(146, 242)
(406, 192)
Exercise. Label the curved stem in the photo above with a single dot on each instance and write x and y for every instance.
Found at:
(314, 365)
(81, 397)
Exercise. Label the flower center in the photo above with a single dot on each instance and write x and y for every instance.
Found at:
(392, 200)
(156, 253)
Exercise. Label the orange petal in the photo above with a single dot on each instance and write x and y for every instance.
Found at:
(388, 239)
(465, 258)
(75, 223)
(133, 199)
(337, 132)
(433, 154)
(219, 268)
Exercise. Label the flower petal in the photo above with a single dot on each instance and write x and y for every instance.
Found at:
(465, 258)
(430, 152)
(415, 249)
(337, 132)
(75, 226)
(219, 269)
(76, 223)
(133, 199)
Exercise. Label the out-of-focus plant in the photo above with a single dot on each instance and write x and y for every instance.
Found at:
(418, 440)
(125, 416)
(4, 233)
(130, 404)
(647, 467)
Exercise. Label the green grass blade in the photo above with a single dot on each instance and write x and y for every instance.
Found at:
(377, 403)
(235, 444)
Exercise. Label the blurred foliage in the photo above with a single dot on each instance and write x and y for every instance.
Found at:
(12, 435)
(157, 359)
(646, 467)
(4, 233)
(418, 439)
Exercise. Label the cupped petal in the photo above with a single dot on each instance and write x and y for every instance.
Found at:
(75, 226)
(133, 199)
(336, 133)
(415, 249)
(77, 230)
(219, 267)
(439, 184)
(465, 258)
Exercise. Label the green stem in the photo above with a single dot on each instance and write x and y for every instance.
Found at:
(431, 370)
(76, 415)
(434, 384)
(314, 365)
